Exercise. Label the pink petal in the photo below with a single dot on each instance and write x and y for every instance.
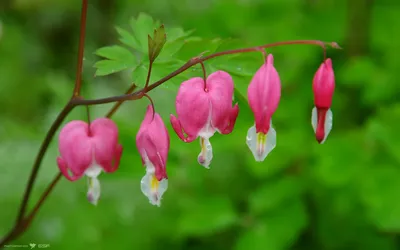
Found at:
(220, 86)
(75, 147)
(192, 106)
(264, 93)
(324, 85)
(107, 151)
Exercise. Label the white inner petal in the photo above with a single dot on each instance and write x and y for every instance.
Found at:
(314, 119)
(259, 143)
(327, 125)
(93, 194)
(206, 154)
(208, 130)
(94, 190)
(150, 186)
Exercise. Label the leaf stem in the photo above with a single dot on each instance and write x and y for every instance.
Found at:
(149, 74)
(204, 76)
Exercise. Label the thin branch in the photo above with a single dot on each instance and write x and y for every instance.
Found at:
(44, 196)
(119, 103)
(140, 93)
(39, 158)
(59, 119)
(82, 35)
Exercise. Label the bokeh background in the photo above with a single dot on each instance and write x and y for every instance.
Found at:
(343, 194)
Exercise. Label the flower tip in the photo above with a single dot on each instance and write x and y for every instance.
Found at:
(270, 59)
(320, 139)
(92, 199)
(202, 161)
(328, 63)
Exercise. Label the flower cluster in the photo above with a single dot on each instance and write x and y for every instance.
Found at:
(203, 107)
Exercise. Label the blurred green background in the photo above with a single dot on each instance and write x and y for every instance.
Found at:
(343, 194)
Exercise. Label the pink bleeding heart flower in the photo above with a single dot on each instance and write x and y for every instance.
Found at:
(323, 88)
(264, 93)
(152, 142)
(203, 108)
(89, 150)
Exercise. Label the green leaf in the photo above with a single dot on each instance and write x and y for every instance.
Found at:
(273, 194)
(116, 53)
(170, 49)
(176, 33)
(156, 43)
(206, 216)
(142, 27)
(119, 57)
(107, 67)
(128, 39)
(196, 46)
(276, 231)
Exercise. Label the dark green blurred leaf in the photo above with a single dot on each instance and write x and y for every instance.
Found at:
(276, 231)
(382, 130)
(380, 192)
(208, 216)
(273, 194)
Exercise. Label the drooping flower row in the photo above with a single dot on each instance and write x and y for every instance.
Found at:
(203, 108)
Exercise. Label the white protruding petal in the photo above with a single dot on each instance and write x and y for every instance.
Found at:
(206, 154)
(327, 125)
(260, 144)
(314, 119)
(93, 193)
(152, 188)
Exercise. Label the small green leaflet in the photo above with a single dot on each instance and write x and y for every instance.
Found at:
(138, 48)
(156, 43)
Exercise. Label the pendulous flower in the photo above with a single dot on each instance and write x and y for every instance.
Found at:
(152, 142)
(323, 88)
(264, 93)
(203, 108)
(89, 150)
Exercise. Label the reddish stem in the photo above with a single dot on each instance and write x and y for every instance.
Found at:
(81, 47)
(139, 94)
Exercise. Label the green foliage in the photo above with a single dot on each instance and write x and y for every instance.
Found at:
(144, 48)
(173, 47)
